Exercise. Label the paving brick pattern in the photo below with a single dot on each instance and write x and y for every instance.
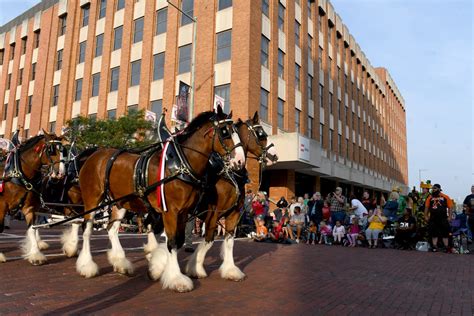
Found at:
(282, 280)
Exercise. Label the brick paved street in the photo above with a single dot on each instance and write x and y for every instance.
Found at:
(282, 279)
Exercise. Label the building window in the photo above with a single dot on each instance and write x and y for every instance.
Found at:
(224, 41)
(132, 108)
(9, 81)
(338, 109)
(118, 31)
(310, 87)
(55, 95)
(120, 5)
(297, 33)
(309, 130)
(281, 17)
(135, 73)
(17, 107)
(59, 60)
(93, 117)
(320, 58)
(331, 147)
(224, 92)
(85, 15)
(33, 71)
(330, 103)
(339, 144)
(12, 51)
(320, 23)
(224, 4)
(62, 25)
(114, 78)
(266, 7)
(111, 114)
(2, 55)
(158, 66)
(329, 35)
(321, 133)
(264, 51)
(184, 59)
(102, 8)
(78, 92)
(95, 84)
(329, 67)
(309, 8)
(263, 105)
(310, 47)
(297, 77)
(82, 52)
(52, 127)
(281, 113)
(156, 106)
(29, 105)
(187, 6)
(20, 77)
(5, 111)
(99, 44)
(297, 121)
(36, 39)
(138, 30)
(23, 46)
(26, 133)
(281, 64)
(161, 21)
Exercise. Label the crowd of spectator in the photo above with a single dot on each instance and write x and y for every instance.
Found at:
(400, 221)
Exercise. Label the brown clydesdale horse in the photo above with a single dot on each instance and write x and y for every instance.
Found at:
(230, 199)
(208, 133)
(22, 184)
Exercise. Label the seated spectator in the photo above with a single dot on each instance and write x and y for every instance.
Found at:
(406, 231)
(312, 231)
(353, 232)
(338, 232)
(390, 209)
(262, 231)
(282, 202)
(364, 221)
(376, 224)
(325, 232)
(258, 207)
(296, 222)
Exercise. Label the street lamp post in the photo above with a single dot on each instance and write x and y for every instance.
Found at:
(193, 58)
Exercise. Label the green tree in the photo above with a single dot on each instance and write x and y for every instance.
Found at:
(129, 131)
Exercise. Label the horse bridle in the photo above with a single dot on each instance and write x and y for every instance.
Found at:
(50, 147)
(222, 134)
(259, 133)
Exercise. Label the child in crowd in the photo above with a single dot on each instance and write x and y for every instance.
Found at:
(326, 211)
(338, 232)
(313, 229)
(325, 231)
(353, 232)
(262, 231)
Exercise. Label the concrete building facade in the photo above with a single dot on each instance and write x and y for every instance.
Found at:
(335, 119)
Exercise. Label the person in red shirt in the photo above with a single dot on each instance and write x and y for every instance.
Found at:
(438, 208)
(258, 208)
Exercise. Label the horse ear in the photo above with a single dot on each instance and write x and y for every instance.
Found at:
(219, 110)
(230, 115)
(255, 118)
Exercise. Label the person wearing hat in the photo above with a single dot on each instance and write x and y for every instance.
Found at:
(420, 210)
(438, 210)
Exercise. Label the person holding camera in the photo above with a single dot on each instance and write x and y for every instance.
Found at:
(337, 202)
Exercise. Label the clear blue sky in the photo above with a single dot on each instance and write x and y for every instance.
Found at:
(427, 47)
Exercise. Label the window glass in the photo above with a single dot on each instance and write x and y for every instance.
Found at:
(224, 41)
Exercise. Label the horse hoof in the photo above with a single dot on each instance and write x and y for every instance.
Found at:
(37, 259)
(181, 284)
(123, 266)
(2, 258)
(42, 245)
(233, 274)
(88, 270)
(196, 273)
(69, 253)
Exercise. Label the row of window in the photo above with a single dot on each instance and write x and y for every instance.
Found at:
(36, 41)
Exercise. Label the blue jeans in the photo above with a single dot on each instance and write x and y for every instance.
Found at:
(338, 216)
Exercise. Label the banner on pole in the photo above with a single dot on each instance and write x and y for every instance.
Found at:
(180, 114)
(150, 116)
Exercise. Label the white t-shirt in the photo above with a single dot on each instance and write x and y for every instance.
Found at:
(360, 210)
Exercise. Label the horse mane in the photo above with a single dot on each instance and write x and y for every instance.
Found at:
(196, 123)
(30, 142)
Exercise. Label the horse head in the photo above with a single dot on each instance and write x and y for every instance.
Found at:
(255, 139)
(225, 139)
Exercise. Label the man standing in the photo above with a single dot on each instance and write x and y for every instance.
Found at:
(468, 205)
(337, 202)
(315, 209)
(438, 208)
(369, 204)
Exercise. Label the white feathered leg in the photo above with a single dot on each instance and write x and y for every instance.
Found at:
(151, 244)
(30, 248)
(70, 240)
(116, 255)
(42, 245)
(195, 265)
(228, 268)
(84, 264)
(158, 260)
(172, 278)
(2, 258)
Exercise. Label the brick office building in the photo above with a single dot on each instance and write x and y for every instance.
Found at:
(334, 118)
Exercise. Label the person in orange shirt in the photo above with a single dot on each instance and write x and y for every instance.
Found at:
(438, 208)
(262, 231)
